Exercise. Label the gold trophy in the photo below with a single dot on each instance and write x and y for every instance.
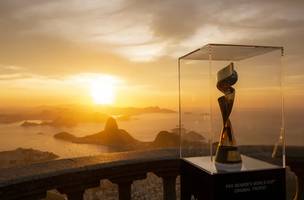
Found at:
(227, 156)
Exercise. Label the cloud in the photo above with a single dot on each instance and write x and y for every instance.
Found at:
(45, 42)
(180, 20)
(10, 68)
(5, 77)
(171, 19)
(155, 28)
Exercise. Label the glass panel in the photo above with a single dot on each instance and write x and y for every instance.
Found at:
(195, 112)
(229, 52)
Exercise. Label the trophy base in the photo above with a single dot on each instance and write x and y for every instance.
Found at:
(228, 155)
(231, 167)
(256, 180)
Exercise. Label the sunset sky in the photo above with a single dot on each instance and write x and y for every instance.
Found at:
(56, 52)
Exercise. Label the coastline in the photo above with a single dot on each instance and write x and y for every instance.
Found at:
(22, 157)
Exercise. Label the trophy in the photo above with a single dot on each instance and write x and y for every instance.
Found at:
(227, 156)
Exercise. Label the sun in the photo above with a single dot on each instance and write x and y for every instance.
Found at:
(103, 90)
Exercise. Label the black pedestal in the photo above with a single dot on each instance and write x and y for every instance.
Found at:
(257, 180)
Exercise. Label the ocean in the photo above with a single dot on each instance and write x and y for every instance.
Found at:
(249, 128)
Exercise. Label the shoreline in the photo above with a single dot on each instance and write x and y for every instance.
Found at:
(24, 156)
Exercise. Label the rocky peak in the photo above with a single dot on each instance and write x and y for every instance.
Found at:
(111, 124)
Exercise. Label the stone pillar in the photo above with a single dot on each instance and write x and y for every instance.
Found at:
(169, 184)
(124, 184)
(124, 190)
(73, 193)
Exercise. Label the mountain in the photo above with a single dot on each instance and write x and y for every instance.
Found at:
(111, 136)
(165, 139)
(120, 140)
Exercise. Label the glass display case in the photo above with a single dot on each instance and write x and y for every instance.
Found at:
(231, 108)
(231, 123)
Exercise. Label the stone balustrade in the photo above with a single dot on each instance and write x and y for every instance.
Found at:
(73, 176)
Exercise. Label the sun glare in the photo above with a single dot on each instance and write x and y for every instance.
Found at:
(103, 89)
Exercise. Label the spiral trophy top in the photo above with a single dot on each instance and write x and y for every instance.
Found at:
(227, 77)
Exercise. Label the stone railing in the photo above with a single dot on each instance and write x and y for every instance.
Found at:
(73, 176)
